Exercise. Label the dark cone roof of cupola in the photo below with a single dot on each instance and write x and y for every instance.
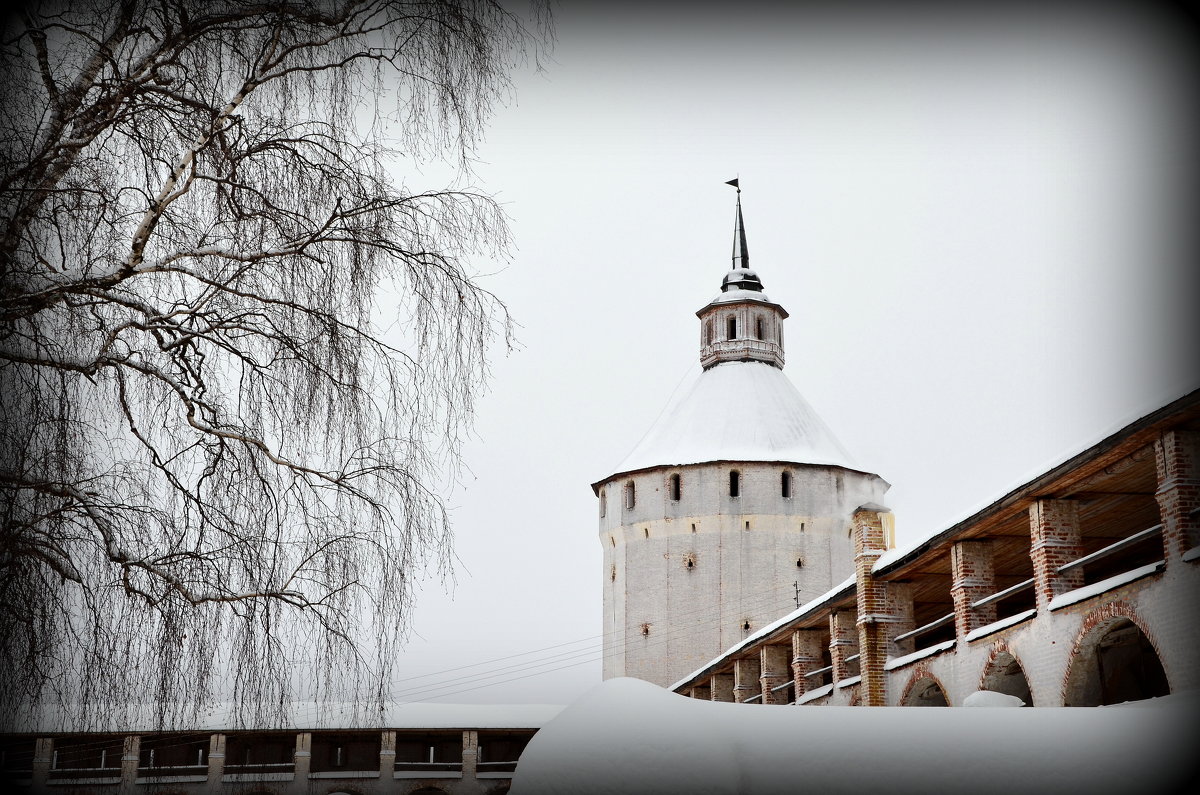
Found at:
(741, 279)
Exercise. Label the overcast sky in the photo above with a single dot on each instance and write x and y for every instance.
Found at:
(975, 223)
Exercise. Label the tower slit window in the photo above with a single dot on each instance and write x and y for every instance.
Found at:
(735, 483)
(603, 503)
(758, 328)
(675, 488)
(731, 328)
(630, 496)
(785, 485)
(708, 335)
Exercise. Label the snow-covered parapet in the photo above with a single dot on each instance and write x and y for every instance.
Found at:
(629, 736)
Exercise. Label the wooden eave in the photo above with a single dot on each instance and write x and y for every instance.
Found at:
(1005, 515)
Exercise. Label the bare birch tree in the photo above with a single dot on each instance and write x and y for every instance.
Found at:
(212, 459)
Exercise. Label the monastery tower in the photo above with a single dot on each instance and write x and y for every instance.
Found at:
(738, 494)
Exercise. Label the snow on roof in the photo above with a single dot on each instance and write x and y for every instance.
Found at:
(307, 715)
(738, 411)
(626, 736)
(738, 294)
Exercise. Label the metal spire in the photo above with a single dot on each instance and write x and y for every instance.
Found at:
(741, 253)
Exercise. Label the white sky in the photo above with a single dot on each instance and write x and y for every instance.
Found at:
(972, 221)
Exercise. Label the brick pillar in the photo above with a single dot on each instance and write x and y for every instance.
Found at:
(773, 663)
(972, 577)
(130, 756)
(387, 759)
(721, 687)
(216, 762)
(1054, 540)
(746, 674)
(843, 641)
(301, 762)
(43, 757)
(1177, 459)
(900, 606)
(470, 756)
(870, 543)
(702, 693)
(806, 658)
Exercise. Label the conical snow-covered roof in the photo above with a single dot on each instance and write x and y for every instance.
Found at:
(738, 411)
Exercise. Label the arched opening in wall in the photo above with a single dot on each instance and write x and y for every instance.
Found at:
(785, 485)
(731, 328)
(630, 495)
(674, 488)
(708, 332)
(758, 328)
(1005, 675)
(735, 483)
(926, 692)
(603, 503)
(1115, 663)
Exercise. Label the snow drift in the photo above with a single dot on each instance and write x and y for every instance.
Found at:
(627, 736)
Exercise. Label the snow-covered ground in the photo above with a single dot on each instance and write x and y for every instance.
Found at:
(628, 736)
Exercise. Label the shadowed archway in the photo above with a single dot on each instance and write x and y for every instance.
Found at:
(1004, 674)
(1115, 662)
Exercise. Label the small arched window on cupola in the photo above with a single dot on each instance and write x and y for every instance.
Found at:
(708, 338)
(735, 483)
(603, 503)
(731, 327)
(758, 328)
(630, 495)
(675, 488)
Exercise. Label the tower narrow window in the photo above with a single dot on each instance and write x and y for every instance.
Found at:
(603, 503)
(630, 496)
(735, 483)
(731, 328)
(675, 488)
(708, 332)
(758, 328)
(785, 485)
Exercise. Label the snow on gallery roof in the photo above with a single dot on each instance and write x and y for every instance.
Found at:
(738, 411)
(626, 736)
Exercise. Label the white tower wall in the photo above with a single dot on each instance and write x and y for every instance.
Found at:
(663, 618)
